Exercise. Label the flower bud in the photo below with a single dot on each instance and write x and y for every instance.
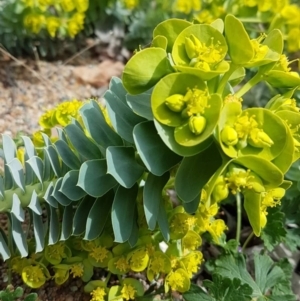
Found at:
(258, 138)
(191, 45)
(229, 136)
(255, 183)
(220, 191)
(278, 193)
(197, 124)
(175, 102)
(202, 65)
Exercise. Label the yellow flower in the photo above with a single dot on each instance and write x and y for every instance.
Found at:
(21, 155)
(18, 264)
(197, 124)
(77, 270)
(66, 110)
(34, 276)
(81, 5)
(67, 5)
(98, 294)
(293, 39)
(159, 263)
(122, 264)
(130, 4)
(75, 24)
(61, 274)
(128, 292)
(99, 253)
(216, 229)
(192, 261)
(52, 24)
(291, 14)
(138, 259)
(46, 120)
(186, 7)
(191, 241)
(178, 280)
(34, 22)
(55, 253)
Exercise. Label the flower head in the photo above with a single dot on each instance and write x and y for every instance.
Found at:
(34, 276)
(179, 280)
(128, 292)
(77, 270)
(98, 294)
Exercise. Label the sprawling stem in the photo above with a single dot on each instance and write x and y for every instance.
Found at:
(239, 217)
(247, 241)
(251, 83)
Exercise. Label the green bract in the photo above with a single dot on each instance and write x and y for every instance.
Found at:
(200, 50)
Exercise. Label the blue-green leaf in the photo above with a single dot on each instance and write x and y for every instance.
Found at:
(19, 236)
(17, 173)
(94, 179)
(69, 186)
(154, 153)
(17, 209)
(122, 213)
(81, 214)
(37, 166)
(98, 216)
(48, 196)
(96, 125)
(163, 224)
(53, 226)
(121, 164)
(121, 116)
(39, 232)
(67, 223)
(81, 143)
(141, 104)
(194, 172)
(152, 196)
(58, 195)
(67, 155)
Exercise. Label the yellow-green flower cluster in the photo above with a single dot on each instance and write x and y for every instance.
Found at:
(58, 18)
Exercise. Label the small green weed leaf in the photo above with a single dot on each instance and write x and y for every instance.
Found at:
(195, 293)
(67, 155)
(67, 220)
(37, 166)
(121, 116)
(69, 186)
(274, 232)
(54, 226)
(19, 291)
(167, 135)
(194, 172)
(252, 205)
(96, 125)
(160, 42)
(122, 212)
(121, 164)
(226, 289)
(145, 69)
(58, 195)
(268, 276)
(81, 214)
(152, 196)
(17, 173)
(81, 143)
(98, 216)
(39, 233)
(4, 250)
(239, 46)
(31, 297)
(17, 209)
(54, 160)
(154, 153)
(94, 179)
(162, 221)
(19, 236)
(176, 83)
(170, 29)
(141, 104)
